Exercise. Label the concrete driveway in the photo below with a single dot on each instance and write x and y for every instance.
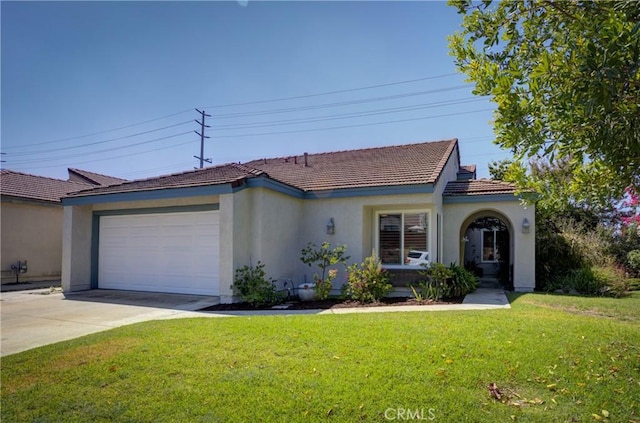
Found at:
(30, 319)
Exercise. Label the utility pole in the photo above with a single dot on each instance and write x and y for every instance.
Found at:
(202, 137)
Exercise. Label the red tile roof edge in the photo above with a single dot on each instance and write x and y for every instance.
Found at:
(74, 186)
(97, 190)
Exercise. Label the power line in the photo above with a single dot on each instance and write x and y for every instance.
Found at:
(107, 130)
(353, 126)
(331, 92)
(348, 115)
(342, 103)
(116, 157)
(52, 159)
(292, 121)
(101, 142)
(236, 104)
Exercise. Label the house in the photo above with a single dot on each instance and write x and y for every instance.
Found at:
(188, 232)
(31, 215)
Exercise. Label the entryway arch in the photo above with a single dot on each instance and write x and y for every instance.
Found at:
(487, 246)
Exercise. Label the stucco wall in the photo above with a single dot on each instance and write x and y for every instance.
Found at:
(31, 232)
(354, 223)
(523, 253)
(76, 248)
(449, 173)
(276, 237)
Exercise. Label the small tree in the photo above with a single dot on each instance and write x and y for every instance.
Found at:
(324, 257)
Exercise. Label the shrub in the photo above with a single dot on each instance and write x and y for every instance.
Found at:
(614, 282)
(462, 281)
(254, 287)
(445, 282)
(324, 256)
(601, 280)
(367, 282)
(633, 261)
(427, 291)
(437, 285)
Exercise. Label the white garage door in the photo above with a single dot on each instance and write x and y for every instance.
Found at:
(164, 252)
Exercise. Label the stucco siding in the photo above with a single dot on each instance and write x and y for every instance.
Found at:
(355, 223)
(76, 251)
(31, 232)
(276, 236)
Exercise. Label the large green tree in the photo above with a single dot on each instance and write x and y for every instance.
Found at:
(565, 76)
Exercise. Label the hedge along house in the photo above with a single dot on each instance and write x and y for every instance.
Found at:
(189, 232)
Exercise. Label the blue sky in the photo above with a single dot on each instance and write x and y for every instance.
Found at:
(72, 69)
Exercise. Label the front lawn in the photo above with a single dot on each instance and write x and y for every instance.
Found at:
(555, 358)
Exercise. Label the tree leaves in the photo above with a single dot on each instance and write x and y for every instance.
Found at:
(566, 80)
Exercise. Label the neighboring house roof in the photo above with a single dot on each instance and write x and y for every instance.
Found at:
(92, 178)
(372, 167)
(384, 166)
(223, 174)
(478, 187)
(32, 187)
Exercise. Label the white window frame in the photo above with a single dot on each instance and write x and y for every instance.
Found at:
(495, 246)
(402, 212)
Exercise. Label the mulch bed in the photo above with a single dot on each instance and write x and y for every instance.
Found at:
(332, 303)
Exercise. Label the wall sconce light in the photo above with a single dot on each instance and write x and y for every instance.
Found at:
(331, 227)
(525, 226)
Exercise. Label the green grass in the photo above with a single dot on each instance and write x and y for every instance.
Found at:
(557, 358)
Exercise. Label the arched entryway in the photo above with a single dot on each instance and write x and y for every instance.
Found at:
(486, 247)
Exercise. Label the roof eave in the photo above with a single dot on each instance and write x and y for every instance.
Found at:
(153, 194)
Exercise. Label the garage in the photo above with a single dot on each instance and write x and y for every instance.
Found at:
(160, 252)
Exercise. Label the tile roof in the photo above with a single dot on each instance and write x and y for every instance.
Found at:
(217, 175)
(33, 187)
(92, 177)
(478, 187)
(383, 166)
(372, 167)
(468, 168)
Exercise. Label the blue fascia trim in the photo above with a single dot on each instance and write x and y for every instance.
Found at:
(159, 194)
(371, 191)
(259, 182)
(490, 198)
(264, 182)
(156, 210)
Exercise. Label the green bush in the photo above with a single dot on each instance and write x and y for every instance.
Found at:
(255, 288)
(614, 282)
(462, 281)
(601, 280)
(445, 282)
(437, 284)
(367, 282)
(633, 261)
(428, 291)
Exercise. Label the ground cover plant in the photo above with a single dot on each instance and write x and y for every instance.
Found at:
(554, 358)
